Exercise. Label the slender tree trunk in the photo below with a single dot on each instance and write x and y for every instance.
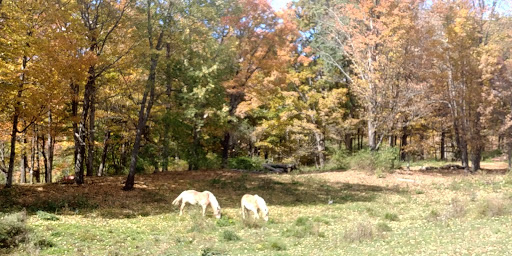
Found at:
(90, 153)
(145, 110)
(45, 159)
(14, 130)
(104, 153)
(82, 129)
(476, 141)
(23, 160)
(225, 149)
(38, 169)
(442, 149)
(403, 144)
(33, 153)
(509, 154)
(51, 147)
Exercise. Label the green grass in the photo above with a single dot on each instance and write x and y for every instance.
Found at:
(459, 215)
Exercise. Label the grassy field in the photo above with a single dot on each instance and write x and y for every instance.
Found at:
(404, 213)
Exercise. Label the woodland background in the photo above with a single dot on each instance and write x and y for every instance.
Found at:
(107, 87)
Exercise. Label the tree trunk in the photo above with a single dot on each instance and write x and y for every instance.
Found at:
(442, 149)
(23, 160)
(33, 153)
(509, 153)
(104, 153)
(372, 136)
(45, 160)
(403, 144)
(225, 149)
(348, 142)
(144, 110)
(51, 147)
(320, 148)
(90, 153)
(37, 171)
(82, 129)
(14, 130)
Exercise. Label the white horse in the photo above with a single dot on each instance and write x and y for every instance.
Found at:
(204, 199)
(254, 203)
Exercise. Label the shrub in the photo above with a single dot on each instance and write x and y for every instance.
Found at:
(245, 163)
(229, 235)
(277, 245)
(225, 221)
(362, 231)
(492, 207)
(339, 160)
(46, 216)
(456, 209)
(383, 160)
(210, 252)
(383, 227)
(13, 230)
(43, 244)
(391, 216)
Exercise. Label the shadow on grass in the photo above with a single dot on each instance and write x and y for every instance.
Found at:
(154, 193)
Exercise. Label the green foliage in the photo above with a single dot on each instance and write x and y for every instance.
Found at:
(46, 216)
(44, 244)
(73, 203)
(13, 230)
(210, 252)
(487, 155)
(384, 159)
(277, 245)
(245, 163)
(229, 235)
(339, 160)
(391, 216)
(225, 221)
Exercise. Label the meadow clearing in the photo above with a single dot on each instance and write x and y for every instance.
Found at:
(327, 213)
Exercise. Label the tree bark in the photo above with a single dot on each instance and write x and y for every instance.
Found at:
(372, 135)
(23, 160)
(82, 129)
(51, 147)
(320, 148)
(403, 144)
(104, 153)
(45, 159)
(15, 119)
(90, 153)
(442, 147)
(348, 142)
(226, 146)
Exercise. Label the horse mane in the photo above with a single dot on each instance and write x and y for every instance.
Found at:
(213, 201)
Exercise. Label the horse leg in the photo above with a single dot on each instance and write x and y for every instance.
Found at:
(256, 215)
(243, 212)
(204, 210)
(181, 208)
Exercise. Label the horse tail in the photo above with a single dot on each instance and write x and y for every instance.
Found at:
(177, 200)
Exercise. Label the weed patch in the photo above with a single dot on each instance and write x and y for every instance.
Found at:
(229, 235)
(42, 215)
(362, 231)
(13, 230)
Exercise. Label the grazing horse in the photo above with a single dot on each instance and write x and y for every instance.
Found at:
(204, 199)
(253, 203)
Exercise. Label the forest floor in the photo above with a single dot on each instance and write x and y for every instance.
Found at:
(330, 213)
